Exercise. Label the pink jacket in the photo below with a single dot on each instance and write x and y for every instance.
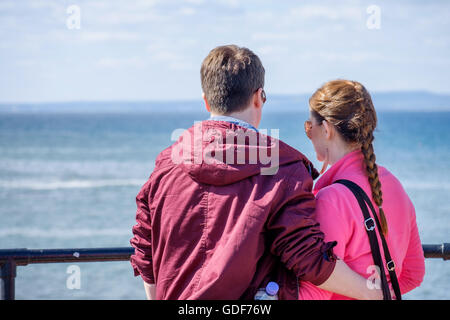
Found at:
(341, 220)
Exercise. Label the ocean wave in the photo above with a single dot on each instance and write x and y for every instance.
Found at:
(63, 233)
(70, 184)
(428, 185)
(101, 183)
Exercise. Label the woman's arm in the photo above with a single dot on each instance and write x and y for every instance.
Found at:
(346, 282)
(150, 290)
(343, 280)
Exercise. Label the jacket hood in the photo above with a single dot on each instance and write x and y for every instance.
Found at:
(221, 153)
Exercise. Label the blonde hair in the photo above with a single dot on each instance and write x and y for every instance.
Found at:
(348, 106)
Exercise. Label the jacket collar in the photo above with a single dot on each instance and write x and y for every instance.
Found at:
(239, 122)
(346, 167)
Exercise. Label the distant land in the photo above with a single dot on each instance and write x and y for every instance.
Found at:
(383, 101)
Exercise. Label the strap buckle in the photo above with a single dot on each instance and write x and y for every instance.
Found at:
(369, 223)
(390, 265)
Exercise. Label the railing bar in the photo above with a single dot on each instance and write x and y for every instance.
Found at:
(11, 258)
(27, 256)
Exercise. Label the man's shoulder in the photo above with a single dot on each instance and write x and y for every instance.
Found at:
(298, 175)
(164, 155)
(302, 161)
(164, 159)
(291, 180)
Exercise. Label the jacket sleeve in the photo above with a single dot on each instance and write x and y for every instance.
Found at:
(141, 260)
(295, 233)
(413, 267)
(336, 229)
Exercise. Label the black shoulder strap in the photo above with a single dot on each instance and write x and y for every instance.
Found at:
(369, 224)
(390, 265)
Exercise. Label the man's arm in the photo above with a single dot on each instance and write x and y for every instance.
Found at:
(299, 242)
(301, 247)
(141, 260)
(336, 227)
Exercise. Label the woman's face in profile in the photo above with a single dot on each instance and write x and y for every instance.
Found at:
(314, 131)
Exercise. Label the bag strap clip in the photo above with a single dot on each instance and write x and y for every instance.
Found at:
(369, 226)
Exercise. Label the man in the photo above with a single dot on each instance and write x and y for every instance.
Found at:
(228, 209)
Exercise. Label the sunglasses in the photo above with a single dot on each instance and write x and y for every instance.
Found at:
(263, 95)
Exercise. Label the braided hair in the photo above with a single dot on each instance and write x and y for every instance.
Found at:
(348, 106)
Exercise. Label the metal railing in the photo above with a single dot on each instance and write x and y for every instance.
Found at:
(10, 259)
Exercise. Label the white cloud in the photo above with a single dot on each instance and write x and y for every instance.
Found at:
(26, 63)
(107, 36)
(334, 12)
(165, 56)
(147, 3)
(195, 2)
(271, 50)
(168, 54)
(36, 4)
(187, 11)
(181, 66)
(229, 3)
(362, 56)
(109, 62)
(320, 37)
(267, 36)
(128, 17)
(7, 5)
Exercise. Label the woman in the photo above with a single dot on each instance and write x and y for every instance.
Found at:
(341, 125)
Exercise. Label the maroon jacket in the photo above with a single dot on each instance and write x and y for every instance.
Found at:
(213, 230)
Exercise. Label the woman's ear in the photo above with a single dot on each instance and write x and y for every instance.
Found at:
(329, 129)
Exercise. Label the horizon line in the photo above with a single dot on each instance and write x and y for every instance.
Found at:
(199, 99)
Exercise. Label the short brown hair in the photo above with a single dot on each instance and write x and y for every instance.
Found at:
(229, 76)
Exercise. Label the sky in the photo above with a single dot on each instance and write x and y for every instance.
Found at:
(110, 50)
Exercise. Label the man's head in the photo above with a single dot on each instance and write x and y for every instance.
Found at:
(232, 77)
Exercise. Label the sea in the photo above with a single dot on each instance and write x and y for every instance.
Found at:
(69, 177)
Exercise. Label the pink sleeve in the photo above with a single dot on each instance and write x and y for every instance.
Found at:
(413, 268)
(335, 229)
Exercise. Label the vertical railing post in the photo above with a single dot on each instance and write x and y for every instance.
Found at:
(8, 275)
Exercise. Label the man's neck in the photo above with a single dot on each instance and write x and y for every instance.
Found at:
(244, 116)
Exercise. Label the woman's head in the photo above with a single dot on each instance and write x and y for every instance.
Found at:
(346, 105)
(344, 108)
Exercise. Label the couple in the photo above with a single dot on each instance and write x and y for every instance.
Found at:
(223, 230)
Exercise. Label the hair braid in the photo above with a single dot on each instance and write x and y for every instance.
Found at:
(369, 155)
